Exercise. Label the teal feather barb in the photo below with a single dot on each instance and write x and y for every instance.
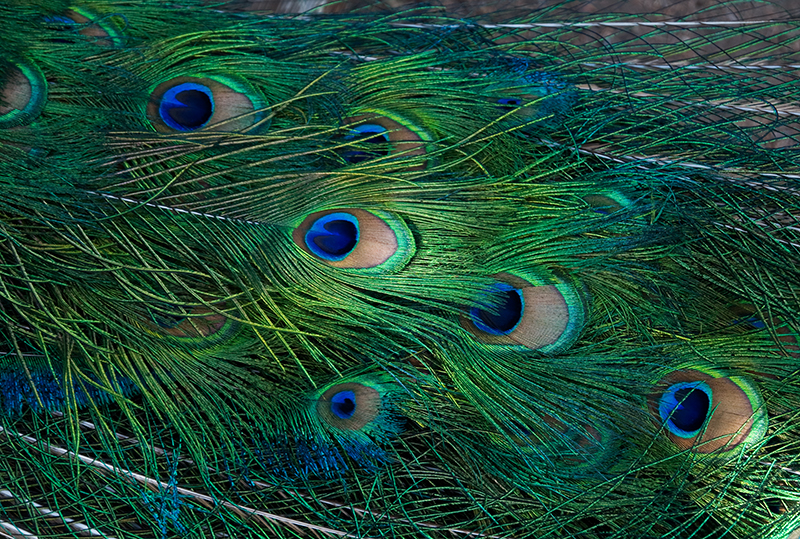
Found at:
(396, 275)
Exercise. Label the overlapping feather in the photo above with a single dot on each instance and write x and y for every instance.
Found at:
(219, 322)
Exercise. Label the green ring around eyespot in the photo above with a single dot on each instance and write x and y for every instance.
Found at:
(115, 35)
(424, 135)
(243, 87)
(406, 246)
(37, 101)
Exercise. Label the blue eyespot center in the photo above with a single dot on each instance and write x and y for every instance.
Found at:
(508, 306)
(343, 404)
(507, 104)
(333, 236)
(187, 106)
(756, 322)
(685, 406)
(167, 321)
(60, 19)
(61, 23)
(370, 133)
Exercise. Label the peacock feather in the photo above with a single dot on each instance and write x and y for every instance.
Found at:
(396, 275)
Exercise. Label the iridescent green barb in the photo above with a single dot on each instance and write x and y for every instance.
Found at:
(396, 275)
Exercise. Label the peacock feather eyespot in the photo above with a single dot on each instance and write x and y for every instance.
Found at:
(373, 241)
(785, 336)
(381, 133)
(707, 412)
(101, 30)
(200, 324)
(529, 311)
(360, 406)
(349, 406)
(357, 415)
(168, 321)
(369, 133)
(566, 450)
(23, 93)
(607, 203)
(537, 97)
(586, 449)
(210, 102)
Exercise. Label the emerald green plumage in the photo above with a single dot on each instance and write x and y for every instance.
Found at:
(396, 275)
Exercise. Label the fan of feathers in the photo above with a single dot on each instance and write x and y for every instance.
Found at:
(396, 275)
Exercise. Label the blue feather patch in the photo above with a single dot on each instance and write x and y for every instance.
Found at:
(17, 393)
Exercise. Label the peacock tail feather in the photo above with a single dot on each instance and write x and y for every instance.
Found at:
(396, 275)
